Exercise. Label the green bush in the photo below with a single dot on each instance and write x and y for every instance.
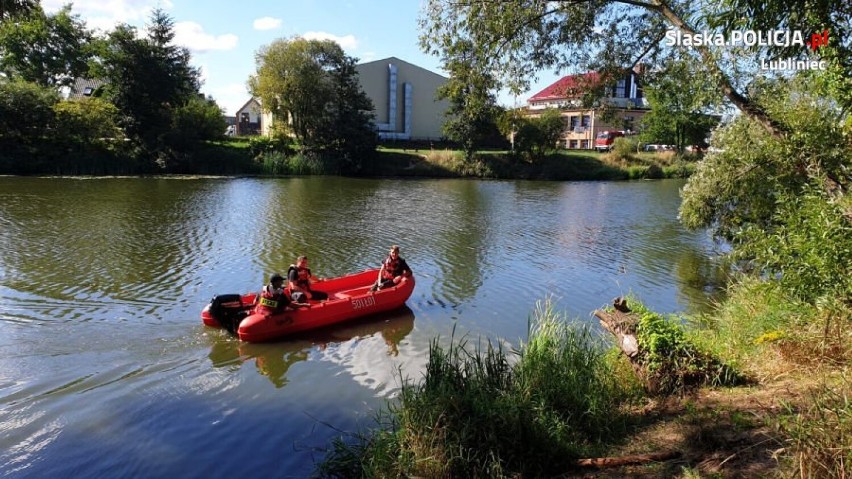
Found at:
(767, 194)
(809, 249)
(26, 111)
(199, 120)
(654, 172)
(625, 147)
(674, 363)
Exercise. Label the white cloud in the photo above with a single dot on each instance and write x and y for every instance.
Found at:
(230, 97)
(191, 35)
(267, 23)
(367, 57)
(347, 42)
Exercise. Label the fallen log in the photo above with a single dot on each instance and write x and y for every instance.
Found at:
(676, 368)
(604, 462)
(622, 325)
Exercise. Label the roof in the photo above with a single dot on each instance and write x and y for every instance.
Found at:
(566, 87)
(249, 102)
(397, 60)
(84, 87)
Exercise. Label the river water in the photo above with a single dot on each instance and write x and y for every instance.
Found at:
(107, 371)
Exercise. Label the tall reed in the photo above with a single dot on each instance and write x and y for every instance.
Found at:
(821, 436)
(485, 412)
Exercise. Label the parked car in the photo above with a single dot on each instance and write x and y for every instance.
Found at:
(655, 147)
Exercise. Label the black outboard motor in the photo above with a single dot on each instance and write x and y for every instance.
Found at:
(229, 310)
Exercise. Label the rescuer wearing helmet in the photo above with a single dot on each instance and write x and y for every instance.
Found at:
(273, 297)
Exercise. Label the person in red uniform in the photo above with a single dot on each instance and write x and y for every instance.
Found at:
(300, 280)
(394, 269)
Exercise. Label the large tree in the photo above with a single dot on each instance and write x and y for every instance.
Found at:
(50, 50)
(680, 95)
(471, 92)
(520, 38)
(148, 78)
(26, 112)
(313, 87)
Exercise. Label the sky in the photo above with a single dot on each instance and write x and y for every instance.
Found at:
(223, 36)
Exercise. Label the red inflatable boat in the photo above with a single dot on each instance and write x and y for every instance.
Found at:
(349, 297)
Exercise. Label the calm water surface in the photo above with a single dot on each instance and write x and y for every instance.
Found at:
(107, 371)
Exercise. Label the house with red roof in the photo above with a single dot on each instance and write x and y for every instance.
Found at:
(622, 96)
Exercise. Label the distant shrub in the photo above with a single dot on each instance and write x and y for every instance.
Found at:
(653, 172)
(625, 147)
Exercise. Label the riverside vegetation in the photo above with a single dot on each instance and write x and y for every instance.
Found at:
(756, 388)
(421, 159)
(776, 406)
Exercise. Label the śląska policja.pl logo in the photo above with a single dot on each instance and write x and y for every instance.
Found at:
(751, 38)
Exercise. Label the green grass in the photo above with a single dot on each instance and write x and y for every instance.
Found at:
(773, 335)
(501, 164)
(481, 411)
(674, 363)
(486, 412)
(820, 437)
(752, 322)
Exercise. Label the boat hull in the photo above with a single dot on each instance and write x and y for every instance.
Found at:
(349, 298)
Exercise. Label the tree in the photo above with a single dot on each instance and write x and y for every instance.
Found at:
(87, 120)
(313, 87)
(350, 132)
(148, 78)
(51, 50)
(199, 120)
(679, 95)
(26, 112)
(534, 136)
(16, 8)
(26, 118)
(519, 38)
(777, 219)
(473, 105)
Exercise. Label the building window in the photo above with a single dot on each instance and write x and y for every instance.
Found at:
(584, 144)
(574, 122)
(619, 89)
(587, 121)
(244, 117)
(572, 144)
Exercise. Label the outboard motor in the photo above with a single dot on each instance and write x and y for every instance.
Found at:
(229, 310)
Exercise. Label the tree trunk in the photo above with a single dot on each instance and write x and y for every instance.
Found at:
(622, 323)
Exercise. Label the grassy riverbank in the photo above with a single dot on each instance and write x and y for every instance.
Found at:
(561, 165)
(565, 395)
(268, 157)
(241, 155)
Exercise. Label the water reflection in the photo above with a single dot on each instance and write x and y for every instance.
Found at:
(131, 261)
(273, 360)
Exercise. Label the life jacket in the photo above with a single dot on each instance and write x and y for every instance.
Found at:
(271, 298)
(303, 281)
(391, 267)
